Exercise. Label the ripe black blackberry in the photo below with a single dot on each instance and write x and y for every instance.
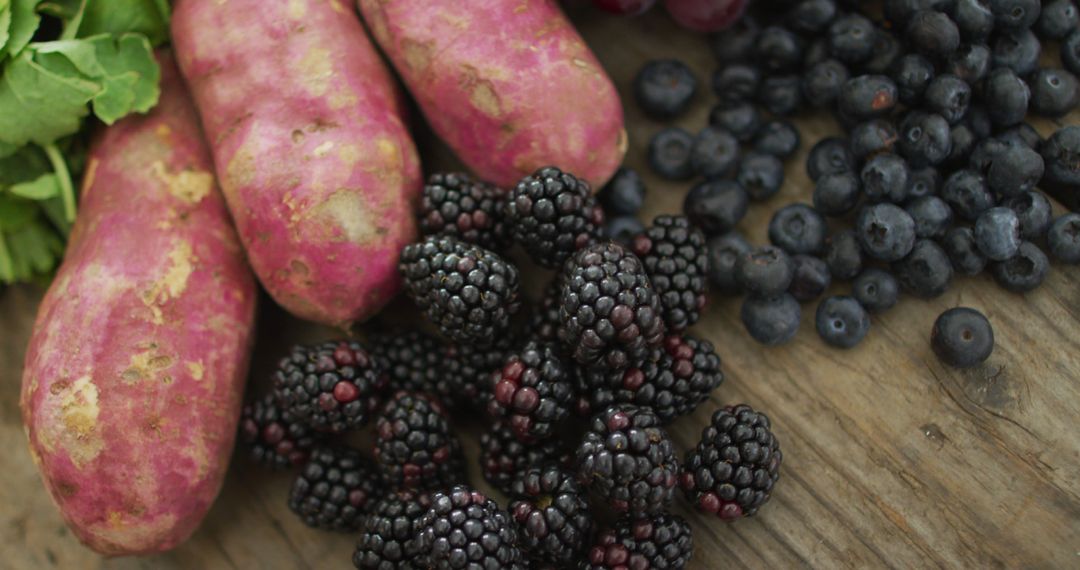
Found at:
(335, 489)
(411, 360)
(734, 467)
(552, 514)
(544, 320)
(552, 214)
(414, 445)
(456, 205)
(468, 291)
(388, 536)
(681, 376)
(675, 258)
(503, 457)
(274, 437)
(465, 529)
(629, 460)
(661, 541)
(609, 313)
(466, 371)
(533, 391)
(332, 386)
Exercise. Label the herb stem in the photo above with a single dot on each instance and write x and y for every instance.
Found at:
(63, 176)
(7, 271)
(71, 29)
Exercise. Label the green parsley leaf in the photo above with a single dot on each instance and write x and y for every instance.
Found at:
(5, 24)
(24, 22)
(41, 188)
(124, 16)
(37, 105)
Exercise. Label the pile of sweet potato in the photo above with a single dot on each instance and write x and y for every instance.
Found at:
(136, 368)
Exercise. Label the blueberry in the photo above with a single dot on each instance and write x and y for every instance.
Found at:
(816, 52)
(822, 82)
(766, 271)
(885, 178)
(1023, 134)
(997, 233)
(811, 16)
(735, 44)
(842, 322)
(899, 12)
(974, 19)
(716, 206)
(724, 253)
(1064, 238)
(1015, 14)
(622, 229)
(761, 175)
(932, 216)
(926, 272)
(912, 75)
(843, 255)
(982, 157)
(798, 228)
(1018, 51)
(966, 193)
(829, 155)
(742, 120)
(978, 120)
(781, 94)
(933, 34)
(669, 154)
(736, 83)
(772, 321)
(1057, 19)
(962, 337)
(715, 153)
(872, 137)
(948, 96)
(868, 96)
(811, 278)
(959, 245)
(1034, 212)
(1023, 272)
(1015, 169)
(664, 88)
(851, 38)
(962, 141)
(925, 138)
(1061, 154)
(885, 231)
(624, 194)
(1054, 92)
(1070, 52)
(778, 49)
(778, 138)
(1006, 97)
(923, 182)
(836, 194)
(887, 49)
(876, 290)
(970, 62)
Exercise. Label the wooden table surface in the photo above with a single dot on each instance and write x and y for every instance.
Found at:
(890, 458)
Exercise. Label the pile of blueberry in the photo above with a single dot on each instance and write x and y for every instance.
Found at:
(937, 174)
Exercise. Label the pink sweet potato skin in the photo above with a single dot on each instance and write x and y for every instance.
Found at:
(305, 125)
(508, 84)
(135, 372)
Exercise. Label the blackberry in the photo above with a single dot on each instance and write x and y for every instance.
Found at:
(456, 205)
(411, 360)
(657, 542)
(676, 261)
(388, 536)
(610, 314)
(465, 529)
(672, 384)
(332, 386)
(732, 471)
(335, 489)
(533, 391)
(544, 320)
(414, 445)
(467, 371)
(962, 337)
(467, 291)
(552, 214)
(628, 459)
(503, 457)
(275, 438)
(552, 515)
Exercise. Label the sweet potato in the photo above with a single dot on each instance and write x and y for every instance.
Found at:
(305, 125)
(135, 371)
(508, 84)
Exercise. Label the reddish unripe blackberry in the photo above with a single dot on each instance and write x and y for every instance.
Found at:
(734, 467)
(335, 489)
(456, 205)
(552, 214)
(332, 386)
(609, 312)
(658, 542)
(552, 515)
(412, 360)
(503, 457)
(388, 536)
(414, 445)
(465, 529)
(676, 260)
(628, 459)
(274, 437)
(533, 391)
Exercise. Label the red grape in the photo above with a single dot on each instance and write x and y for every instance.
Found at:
(625, 7)
(705, 15)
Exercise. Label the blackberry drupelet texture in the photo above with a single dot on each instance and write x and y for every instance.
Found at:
(552, 214)
(411, 360)
(388, 536)
(335, 489)
(732, 471)
(466, 371)
(676, 260)
(533, 391)
(414, 445)
(503, 457)
(658, 542)
(552, 514)
(273, 436)
(465, 529)
(332, 386)
(544, 318)
(456, 205)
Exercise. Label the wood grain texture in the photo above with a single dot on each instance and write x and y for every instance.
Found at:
(891, 459)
